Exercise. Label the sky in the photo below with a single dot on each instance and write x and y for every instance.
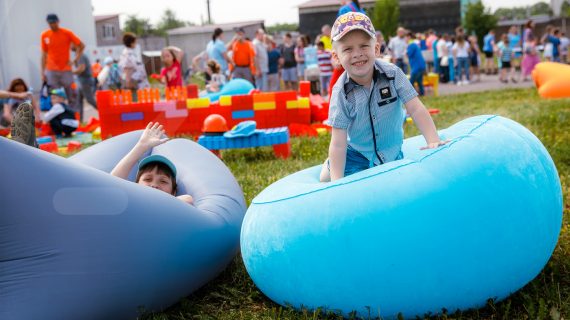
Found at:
(272, 11)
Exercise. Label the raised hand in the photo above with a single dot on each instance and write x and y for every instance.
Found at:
(153, 135)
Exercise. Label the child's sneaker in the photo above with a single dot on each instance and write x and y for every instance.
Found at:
(23, 129)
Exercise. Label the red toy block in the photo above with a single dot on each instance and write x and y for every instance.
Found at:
(49, 147)
(192, 91)
(282, 150)
(304, 88)
(73, 146)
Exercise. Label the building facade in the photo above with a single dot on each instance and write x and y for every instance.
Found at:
(417, 15)
(108, 30)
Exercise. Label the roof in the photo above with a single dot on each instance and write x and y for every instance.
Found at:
(105, 17)
(211, 27)
(326, 3)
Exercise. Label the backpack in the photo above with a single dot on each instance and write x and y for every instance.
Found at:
(45, 101)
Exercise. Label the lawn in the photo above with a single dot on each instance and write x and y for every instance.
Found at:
(234, 296)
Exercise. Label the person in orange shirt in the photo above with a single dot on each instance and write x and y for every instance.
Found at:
(56, 63)
(96, 68)
(243, 57)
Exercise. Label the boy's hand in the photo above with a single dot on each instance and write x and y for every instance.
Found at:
(153, 135)
(433, 145)
(186, 198)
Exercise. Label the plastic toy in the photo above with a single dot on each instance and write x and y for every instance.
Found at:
(215, 124)
(106, 247)
(232, 87)
(449, 228)
(552, 79)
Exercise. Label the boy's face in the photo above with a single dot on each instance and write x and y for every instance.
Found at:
(357, 52)
(157, 180)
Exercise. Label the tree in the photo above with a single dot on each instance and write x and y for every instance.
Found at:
(139, 26)
(540, 8)
(385, 16)
(278, 27)
(169, 21)
(478, 20)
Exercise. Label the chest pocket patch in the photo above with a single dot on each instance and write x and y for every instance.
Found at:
(387, 101)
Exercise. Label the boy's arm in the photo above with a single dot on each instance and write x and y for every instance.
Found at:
(424, 122)
(150, 138)
(337, 153)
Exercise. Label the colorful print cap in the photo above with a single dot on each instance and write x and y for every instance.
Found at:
(349, 22)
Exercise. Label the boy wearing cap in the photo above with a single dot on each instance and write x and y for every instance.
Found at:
(154, 171)
(366, 111)
(60, 117)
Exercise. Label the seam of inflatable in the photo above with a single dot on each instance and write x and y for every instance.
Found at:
(454, 141)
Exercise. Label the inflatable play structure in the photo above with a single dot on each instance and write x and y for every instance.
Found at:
(449, 228)
(552, 79)
(78, 243)
(183, 111)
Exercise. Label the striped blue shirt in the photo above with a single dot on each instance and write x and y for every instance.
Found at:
(349, 110)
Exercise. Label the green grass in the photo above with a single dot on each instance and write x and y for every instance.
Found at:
(234, 296)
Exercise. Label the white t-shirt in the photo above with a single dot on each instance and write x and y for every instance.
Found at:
(461, 51)
(441, 48)
(398, 47)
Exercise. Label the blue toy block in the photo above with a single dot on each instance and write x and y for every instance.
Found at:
(42, 140)
(264, 137)
(243, 114)
(131, 116)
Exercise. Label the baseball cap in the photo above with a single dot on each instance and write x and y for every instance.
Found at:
(158, 158)
(52, 17)
(58, 92)
(349, 22)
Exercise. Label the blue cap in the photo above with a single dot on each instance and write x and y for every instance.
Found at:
(158, 158)
(59, 92)
(242, 129)
(52, 17)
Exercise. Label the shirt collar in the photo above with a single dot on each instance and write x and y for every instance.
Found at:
(350, 84)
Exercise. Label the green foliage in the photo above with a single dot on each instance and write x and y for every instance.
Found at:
(565, 12)
(139, 26)
(282, 27)
(523, 13)
(478, 20)
(385, 16)
(169, 21)
(233, 295)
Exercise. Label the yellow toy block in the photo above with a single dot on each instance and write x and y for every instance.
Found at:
(264, 106)
(225, 101)
(292, 104)
(198, 103)
(304, 103)
(96, 135)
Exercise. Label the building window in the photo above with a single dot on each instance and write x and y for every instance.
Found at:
(108, 31)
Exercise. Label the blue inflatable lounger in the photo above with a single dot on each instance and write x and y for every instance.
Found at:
(452, 227)
(78, 243)
(245, 135)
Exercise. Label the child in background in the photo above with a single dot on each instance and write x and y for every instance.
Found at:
(366, 111)
(506, 55)
(325, 67)
(155, 171)
(474, 53)
(417, 62)
(171, 74)
(217, 79)
(60, 117)
(18, 87)
(460, 51)
(274, 56)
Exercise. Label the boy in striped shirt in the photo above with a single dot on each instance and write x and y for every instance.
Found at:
(325, 67)
(366, 113)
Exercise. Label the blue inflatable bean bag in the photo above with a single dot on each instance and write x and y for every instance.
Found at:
(78, 243)
(452, 227)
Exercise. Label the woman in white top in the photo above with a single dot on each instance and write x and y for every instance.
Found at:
(443, 55)
(460, 51)
(132, 69)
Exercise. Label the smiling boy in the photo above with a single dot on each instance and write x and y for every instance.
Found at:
(366, 111)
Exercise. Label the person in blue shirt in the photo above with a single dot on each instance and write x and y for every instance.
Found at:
(274, 59)
(515, 41)
(217, 50)
(554, 38)
(368, 103)
(349, 6)
(417, 63)
(489, 48)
